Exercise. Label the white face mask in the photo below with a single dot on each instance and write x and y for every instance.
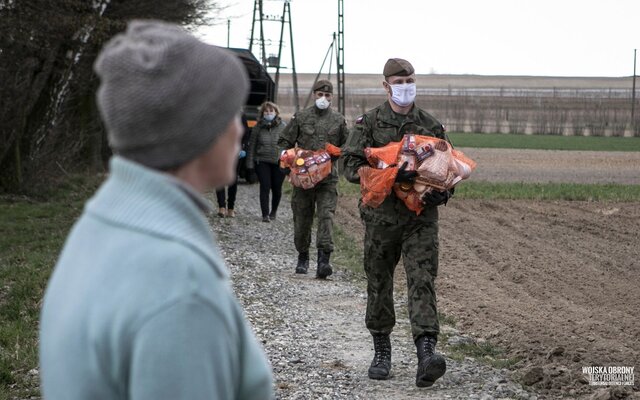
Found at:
(269, 116)
(404, 94)
(322, 103)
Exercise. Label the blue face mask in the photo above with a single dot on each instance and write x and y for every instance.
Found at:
(269, 116)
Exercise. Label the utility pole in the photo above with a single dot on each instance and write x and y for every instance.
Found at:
(633, 92)
(287, 8)
(340, 58)
(257, 9)
(253, 25)
(228, 32)
(271, 62)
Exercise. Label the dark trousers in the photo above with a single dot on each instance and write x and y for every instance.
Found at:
(230, 199)
(271, 179)
(304, 202)
(417, 243)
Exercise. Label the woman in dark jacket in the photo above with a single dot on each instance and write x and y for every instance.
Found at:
(263, 155)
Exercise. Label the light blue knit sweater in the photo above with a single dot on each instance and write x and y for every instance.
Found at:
(139, 305)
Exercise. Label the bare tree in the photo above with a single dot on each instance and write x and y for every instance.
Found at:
(47, 110)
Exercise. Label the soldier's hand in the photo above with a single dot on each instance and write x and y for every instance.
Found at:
(404, 175)
(285, 171)
(435, 198)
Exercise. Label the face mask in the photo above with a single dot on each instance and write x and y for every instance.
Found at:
(322, 103)
(403, 95)
(269, 116)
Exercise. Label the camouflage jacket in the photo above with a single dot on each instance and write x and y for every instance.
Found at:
(377, 128)
(312, 128)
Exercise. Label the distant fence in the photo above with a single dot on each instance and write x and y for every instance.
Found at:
(544, 111)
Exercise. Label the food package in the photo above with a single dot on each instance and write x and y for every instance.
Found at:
(376, 184)
(334, 151)
(439, 167)
(307, 167)
(383, 157)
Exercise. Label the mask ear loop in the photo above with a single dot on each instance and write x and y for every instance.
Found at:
(387, 88)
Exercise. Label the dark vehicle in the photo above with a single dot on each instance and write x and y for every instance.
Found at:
(263, 88)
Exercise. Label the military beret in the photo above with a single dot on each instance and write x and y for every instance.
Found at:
(397, 67)
(323, 85)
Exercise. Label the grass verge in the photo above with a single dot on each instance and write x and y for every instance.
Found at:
(547, 191)
(545, 142)
(529, 191)
(32, 232)
(347, 253)
(484, 352)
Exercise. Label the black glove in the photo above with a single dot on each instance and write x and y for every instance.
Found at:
(435, 198)
(285, 171)
(335, 158)
(404, 175)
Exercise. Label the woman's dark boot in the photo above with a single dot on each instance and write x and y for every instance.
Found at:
(380, 367)
(431, 365)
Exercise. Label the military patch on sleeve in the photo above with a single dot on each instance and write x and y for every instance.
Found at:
(360, 120)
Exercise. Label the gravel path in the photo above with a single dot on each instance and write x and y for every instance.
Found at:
(313, 331)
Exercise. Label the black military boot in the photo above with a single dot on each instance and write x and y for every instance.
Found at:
(380, 367)
(303, 263)
(324, 268)
(431, 365)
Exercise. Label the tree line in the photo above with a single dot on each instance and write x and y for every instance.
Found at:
(49, 124)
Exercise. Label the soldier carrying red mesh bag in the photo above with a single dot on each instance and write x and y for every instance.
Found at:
(311, 144)
(402, 159)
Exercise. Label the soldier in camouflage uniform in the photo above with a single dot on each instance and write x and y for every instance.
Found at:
(311, 129)
(392, 230)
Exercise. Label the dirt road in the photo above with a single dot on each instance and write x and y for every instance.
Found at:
(313, 331)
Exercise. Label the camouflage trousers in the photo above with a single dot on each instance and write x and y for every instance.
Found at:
(304, 203)
(417, 242)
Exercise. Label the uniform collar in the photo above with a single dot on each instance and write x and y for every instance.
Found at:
(321, 112)
(388, 116)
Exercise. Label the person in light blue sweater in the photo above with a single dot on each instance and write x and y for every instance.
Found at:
(140, 305)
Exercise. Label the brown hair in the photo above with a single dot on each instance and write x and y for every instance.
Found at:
(269, 104)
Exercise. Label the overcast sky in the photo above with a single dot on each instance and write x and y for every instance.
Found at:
(486, 37)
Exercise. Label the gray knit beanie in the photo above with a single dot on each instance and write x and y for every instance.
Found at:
(164, 95)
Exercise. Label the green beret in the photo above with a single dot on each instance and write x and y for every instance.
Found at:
(323, 85)
(397, 67)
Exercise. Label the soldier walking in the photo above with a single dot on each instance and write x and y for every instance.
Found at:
(392, 230)
(311, 129)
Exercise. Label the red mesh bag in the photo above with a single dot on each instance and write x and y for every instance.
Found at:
(307, 167)
(334, 151)
(383, 157)
(439, 167)
(376, 184)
